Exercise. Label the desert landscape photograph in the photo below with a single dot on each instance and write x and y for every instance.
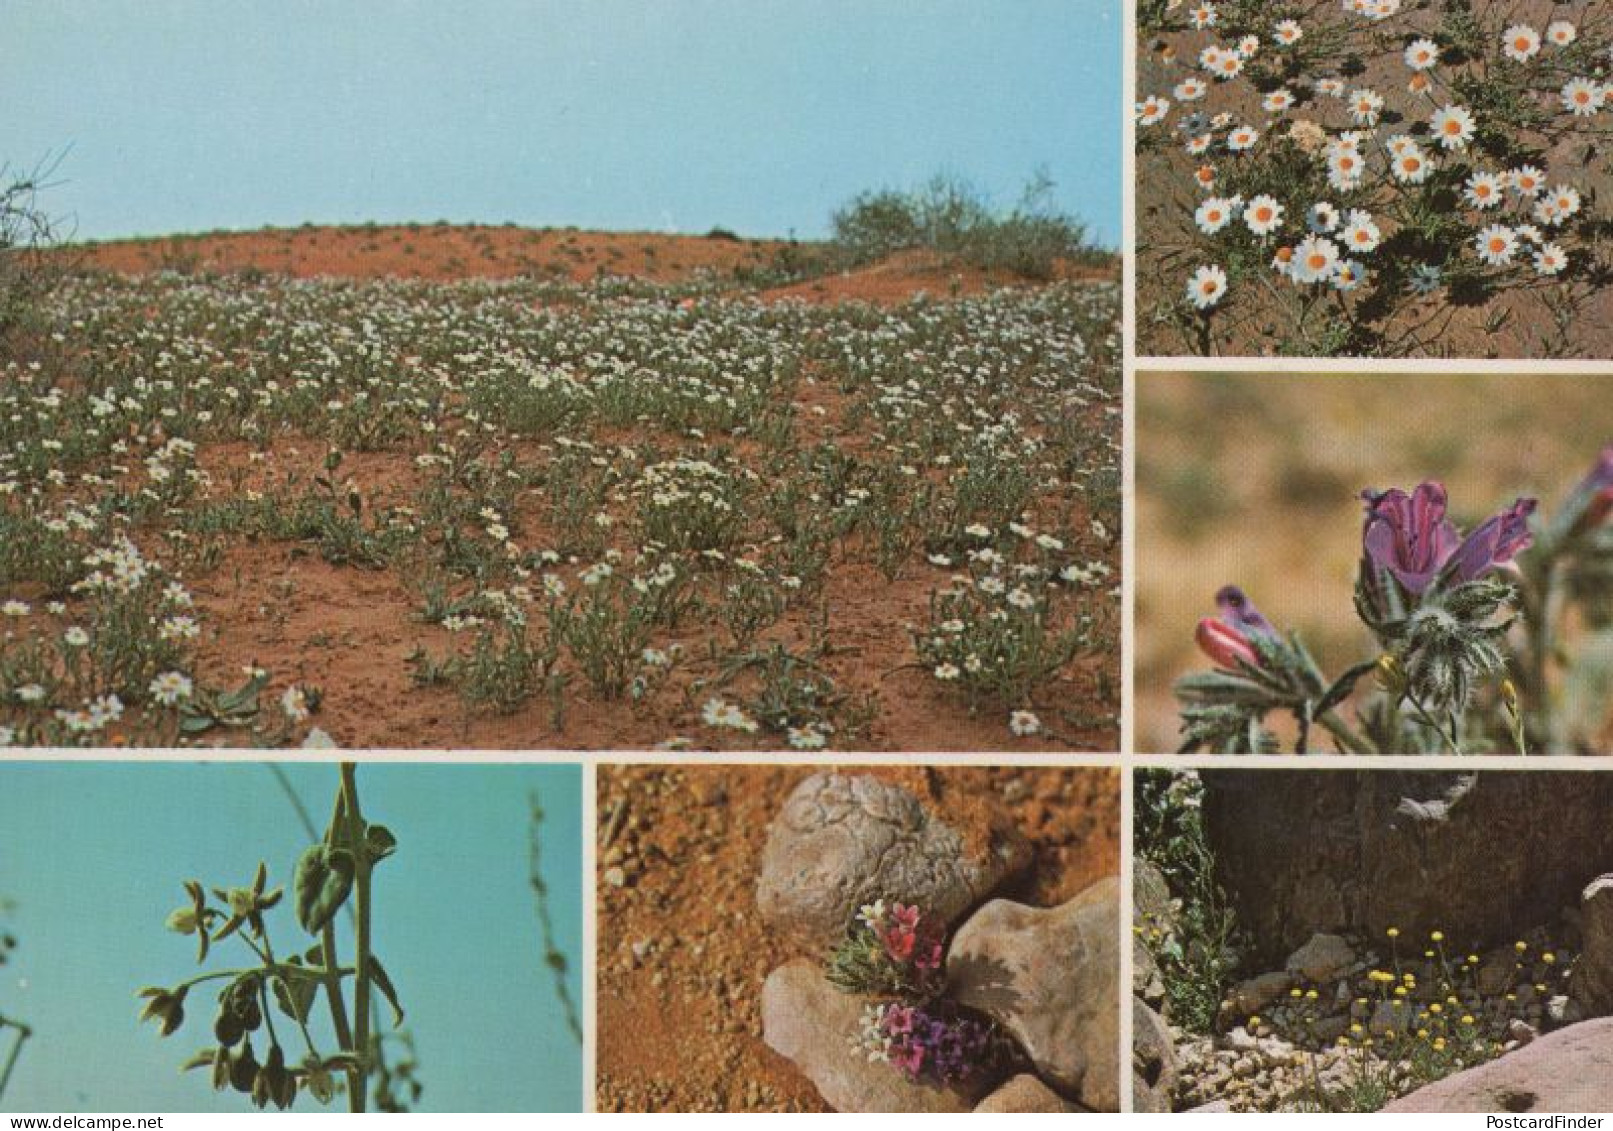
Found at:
(698, 376)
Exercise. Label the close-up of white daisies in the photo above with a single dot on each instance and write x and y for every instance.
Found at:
(1367, 176)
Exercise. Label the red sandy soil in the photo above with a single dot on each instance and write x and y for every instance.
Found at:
(350, 631)
(679, 1021)
(438, 252)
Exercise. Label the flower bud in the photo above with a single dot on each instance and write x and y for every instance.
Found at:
(1225, 645)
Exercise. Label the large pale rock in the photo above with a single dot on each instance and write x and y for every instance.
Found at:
(1592, 981)
(1570, 1070)
(845, 840)
(1051, 978)
(1251, 996)
(1323, 959)
(1026, 1093)
(810, 1022)
(1153, 1060)
(1483, 856)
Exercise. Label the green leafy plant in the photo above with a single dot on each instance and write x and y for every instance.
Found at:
(337, 869)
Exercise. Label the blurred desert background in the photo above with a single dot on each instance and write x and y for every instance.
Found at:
(1253, 479)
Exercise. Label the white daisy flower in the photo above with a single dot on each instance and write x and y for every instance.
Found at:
(1421, 54)
(1453, 126)
(1206, 287)
(1360, 234)
(1262, 215)
(1024, 723)
(1315, 260)
(1484, 190)
(1520, 43)
(1213, 214)
(1496, 244)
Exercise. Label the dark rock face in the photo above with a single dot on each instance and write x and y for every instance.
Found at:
(1480, 856)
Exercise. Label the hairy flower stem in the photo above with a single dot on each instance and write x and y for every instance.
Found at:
(1539, 599)
(361, 911)
(1342, 731)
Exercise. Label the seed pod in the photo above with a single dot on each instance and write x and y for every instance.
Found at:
(323, 880)
(221, 1069)
(244, 1069)
(226, 1028)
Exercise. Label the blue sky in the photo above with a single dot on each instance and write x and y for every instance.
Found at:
(758, 115)
(94, 858)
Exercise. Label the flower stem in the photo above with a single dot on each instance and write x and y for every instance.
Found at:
(361, 911)
(1347, 737)
(356, 1083)
(23, 1033)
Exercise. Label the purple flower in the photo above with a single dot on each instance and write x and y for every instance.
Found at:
(1494, 542)
(1590, 503)
(1409, 537)
(1240, 613)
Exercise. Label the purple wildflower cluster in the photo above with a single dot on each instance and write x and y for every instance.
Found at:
(925, 1044)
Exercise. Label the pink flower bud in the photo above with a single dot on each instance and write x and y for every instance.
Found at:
(1224, 644)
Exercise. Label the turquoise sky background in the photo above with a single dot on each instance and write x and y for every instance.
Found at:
(94, 856)
(758, 115)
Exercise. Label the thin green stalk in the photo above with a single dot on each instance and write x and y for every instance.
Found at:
(361, 911)
(23, 1033)
(356, 1085)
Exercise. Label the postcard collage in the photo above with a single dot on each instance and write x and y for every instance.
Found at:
(1112, 612)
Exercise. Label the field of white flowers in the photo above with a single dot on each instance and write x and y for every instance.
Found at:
(1373, 177)
(246, 510)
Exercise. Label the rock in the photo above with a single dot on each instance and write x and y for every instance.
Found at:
(1025, 1093)
(1326, 1030)
(1496, 971)
(1248, 998)
(1592, 981)
(1051, 978)
(842, 841)
(1153, 916)
(1153, 1060)
(1322, 959)
(1564, 1010)
(1356, 852)
(808, 1021)
(1521, 1032)
(1570, 1070)
(1214, 1107)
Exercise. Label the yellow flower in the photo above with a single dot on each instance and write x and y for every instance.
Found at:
(1548, 958)
(1310, 995)
(1296, 992)
(1520, 946)
(1356, 1028)
(1467, 1019)
(1437, 936)
(1436, 1008)
(1254, 1020)
(1422, 1034)
(1394, 932)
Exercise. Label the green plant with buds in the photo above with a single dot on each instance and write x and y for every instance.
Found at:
(334, 873)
